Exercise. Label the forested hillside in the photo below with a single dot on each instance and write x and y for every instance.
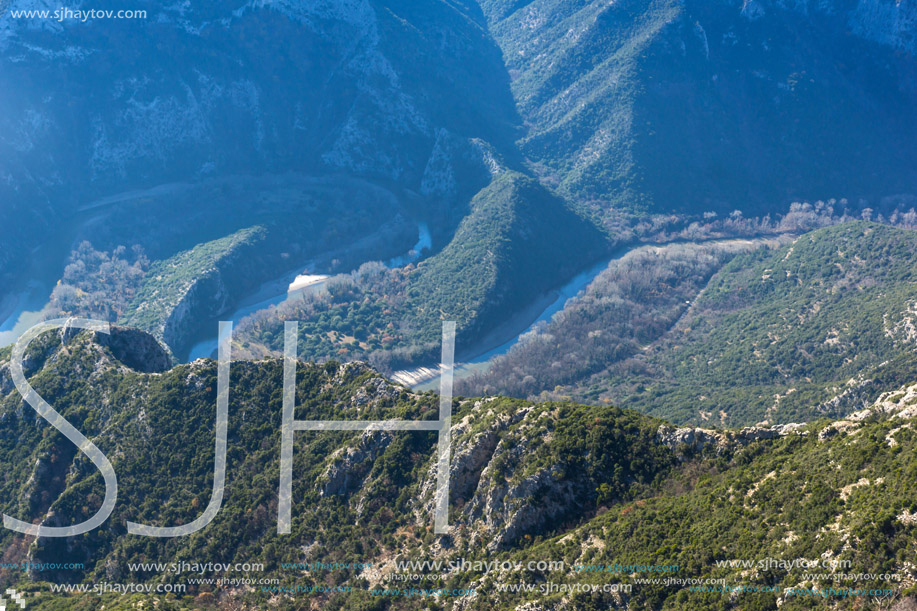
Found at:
(632, 303)
(529, 138)
(518, 241)
(713, 105)
(678, 239)
(577, 485)
(819, 327)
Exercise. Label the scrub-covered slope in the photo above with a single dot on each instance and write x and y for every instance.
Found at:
(717, 105)
(819, 327)
(580, 487)
(402, 94)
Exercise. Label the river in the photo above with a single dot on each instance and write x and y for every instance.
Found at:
(21, 304)
(506, 335)
(297, 282)
(21, 308)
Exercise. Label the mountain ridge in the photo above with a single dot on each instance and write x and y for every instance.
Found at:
(530, 482)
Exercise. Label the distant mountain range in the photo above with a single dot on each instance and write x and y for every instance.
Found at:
(694, 106)
(411, 98)
(646, 107)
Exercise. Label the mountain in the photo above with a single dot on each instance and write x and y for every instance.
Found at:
(191, 124)
(589, 487)
(476, 161)
(696, 105)
(818, 327)
(732, 332)
(518, 241)
(636, 299)
(405, 95)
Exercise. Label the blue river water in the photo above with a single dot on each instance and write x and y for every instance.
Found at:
(277, 290)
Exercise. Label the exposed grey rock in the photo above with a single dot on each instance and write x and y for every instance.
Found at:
(490, 486)
(349, 466)
(204, 298)
(6, 380)
(468, 462)
(694, 439)
(470, 456)
(752, 433)
(348, 372)
(374, 392)
(68, 332)
(855, 396)
(113, 569)
(137, 349)
(790, 428)
(512, 511)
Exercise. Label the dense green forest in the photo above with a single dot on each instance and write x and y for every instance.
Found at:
(355, 316)
(204, 279)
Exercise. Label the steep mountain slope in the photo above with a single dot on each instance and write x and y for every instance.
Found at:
(808, 520)
(821, 326)
(630, 304)
(700, 105)
(660, 106)
(206, 246)
(393, 92)
(583, 487)
(517, 242)
(157, 429)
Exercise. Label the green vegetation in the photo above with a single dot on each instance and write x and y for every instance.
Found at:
(202, 272)
(355, 316)
(691, 106)
(553, 481)
(602, 123)
(159, 434)
(211, 243)
(631, 304)
(518, 241)
(844, 500)
(819, 327)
